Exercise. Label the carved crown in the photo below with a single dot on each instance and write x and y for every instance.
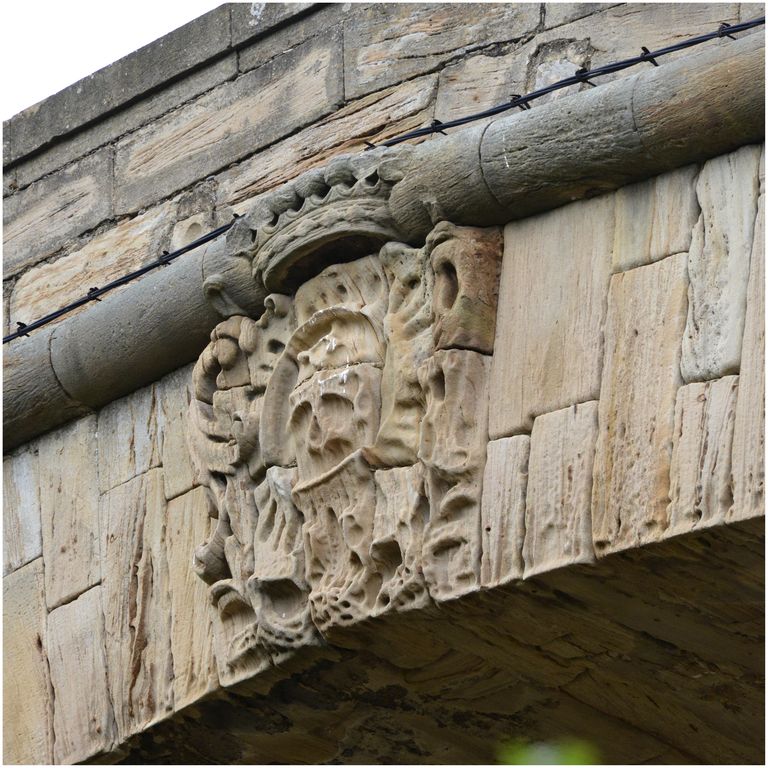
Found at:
(339, 212)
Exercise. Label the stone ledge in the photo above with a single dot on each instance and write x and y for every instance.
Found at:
(653, 654)
(173, 56)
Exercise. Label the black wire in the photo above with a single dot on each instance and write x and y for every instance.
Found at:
(581, 76)
(94, 293)
(523, 102)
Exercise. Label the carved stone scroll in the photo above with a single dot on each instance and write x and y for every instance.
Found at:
(339, 508)
(454, 436)
(342, 435)
(408, 330)
(466, 263)
(278, 587)
(402, 512)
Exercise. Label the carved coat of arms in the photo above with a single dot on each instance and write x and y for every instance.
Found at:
(342, 434)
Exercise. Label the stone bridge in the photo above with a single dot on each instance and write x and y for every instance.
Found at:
(441, 445)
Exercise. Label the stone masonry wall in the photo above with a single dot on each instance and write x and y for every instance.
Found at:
(101, 518)
(627, 409)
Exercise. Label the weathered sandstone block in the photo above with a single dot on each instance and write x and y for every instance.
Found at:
(109, 128)
(701, 493)
(612, 33)
(22, 540)
(466, 262)
(718, 265)
(575, 35)
(398, 532)
(127, 432)
(552, 62)
(69, 510)
(503, 511)
(83, 723)
(482, 81)
(136, 602)
(655, 218)
(40, 219)
(27, 701)
(554, 280)
(228, 123)
(558, 520)
(265, 25)
(479, 82)
(557, 14)
(641, 375)
(371, 118)
(452, 447)
(123, 248)
(749, 429)
(194, 666)
(387, 44)
(173, 395)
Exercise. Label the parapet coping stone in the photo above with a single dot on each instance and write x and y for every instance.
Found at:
(174, 56)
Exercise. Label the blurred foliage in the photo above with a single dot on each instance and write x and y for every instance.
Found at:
(562, 752)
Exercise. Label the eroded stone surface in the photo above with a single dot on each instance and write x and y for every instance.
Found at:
(27, 700)
(718, 265)
(22, 539)
(255, 532)
(83, 722)
(138, 620)
(749, 429)
(371, 118)
(173, 395)
(69, 510)
(258, 108)
(503, 514)
(408, 327)
(479, 82)
(561, 13)
(641, 375)
(466, 263)
(452, 448)
(701, 490)
(127, 432)
(575, 35)
(550, 357)
(558, 520)
(655, 218)
(129, 117)
(370, 384)
(406, 40)
(398, 532)
(194, 667)
(589, 649)
(41, 218)
(107, 256)
(612, 33)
